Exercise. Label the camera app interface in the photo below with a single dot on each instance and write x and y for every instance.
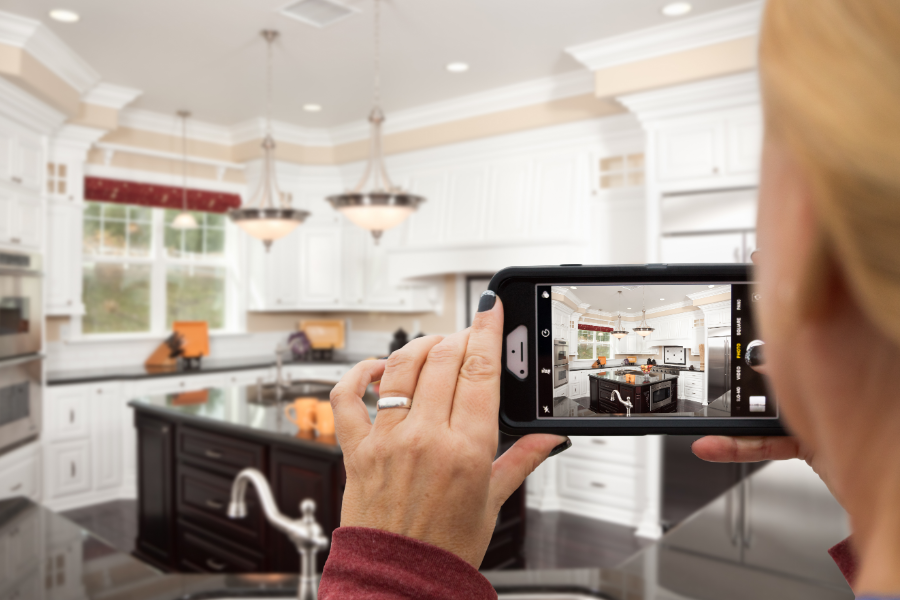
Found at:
(637, 351)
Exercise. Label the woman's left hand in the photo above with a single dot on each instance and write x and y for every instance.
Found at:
(428, 472)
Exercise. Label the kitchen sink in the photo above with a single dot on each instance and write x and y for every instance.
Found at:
(515, 596)
(268, 393)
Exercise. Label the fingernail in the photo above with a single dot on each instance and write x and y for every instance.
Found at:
(561, 448)
(488, 298)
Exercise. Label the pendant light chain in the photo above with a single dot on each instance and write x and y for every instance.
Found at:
(184, 116)
(376, 88)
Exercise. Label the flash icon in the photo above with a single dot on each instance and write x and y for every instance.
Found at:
(547, 409)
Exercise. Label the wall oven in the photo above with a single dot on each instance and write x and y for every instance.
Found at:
(20, 401)
(560, 375)
(661, 395)
(560, 352)
(21, 307)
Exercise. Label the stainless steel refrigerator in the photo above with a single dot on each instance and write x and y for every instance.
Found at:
(718, 366)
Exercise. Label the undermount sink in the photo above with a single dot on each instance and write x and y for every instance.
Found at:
(321, 390)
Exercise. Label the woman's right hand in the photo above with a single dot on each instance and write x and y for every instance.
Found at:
(724, 449)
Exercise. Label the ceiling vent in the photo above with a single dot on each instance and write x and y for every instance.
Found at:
(318, 13)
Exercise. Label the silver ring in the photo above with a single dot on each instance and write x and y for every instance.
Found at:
(393, 402)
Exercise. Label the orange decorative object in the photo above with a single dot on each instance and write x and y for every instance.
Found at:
(196, 337)
(632, 359)
(324, 418)
(160, 359)
(195, 397)
(302, 413)
(324, 334)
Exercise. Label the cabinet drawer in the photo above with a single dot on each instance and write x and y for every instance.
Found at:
(20, 479)
(586, 481)
(68, 466)
(67, 415)
(209, 554)
(219, 452)
(693, 394)
(692, 378)
(203, 497)
(615, 449)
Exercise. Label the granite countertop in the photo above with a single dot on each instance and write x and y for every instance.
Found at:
(615, 367)
(641, 379)
(248, 412)
(207, 366)
(792, 521)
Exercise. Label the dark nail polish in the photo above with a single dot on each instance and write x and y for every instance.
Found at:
(561, 448)
(488, 298)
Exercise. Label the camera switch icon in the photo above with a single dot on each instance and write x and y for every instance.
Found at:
(545, 333)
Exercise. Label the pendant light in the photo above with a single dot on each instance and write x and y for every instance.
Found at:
(375, 203)
(619, 332)
(268, 216)
(644, 329)
(184, 220)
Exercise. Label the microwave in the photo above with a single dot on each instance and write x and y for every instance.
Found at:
(21, 304)
(20, 401)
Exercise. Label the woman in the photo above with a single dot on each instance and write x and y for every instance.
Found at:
(423, 489)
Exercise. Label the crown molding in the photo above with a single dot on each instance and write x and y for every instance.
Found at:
(712, 28)
(165, 124)
(716, 291)
(714, 306)
(111, 96)
(673, 306)
(528, 93)
(721, 93)
(77, 137)
(26, 110)
(255, 129)
(38, 40)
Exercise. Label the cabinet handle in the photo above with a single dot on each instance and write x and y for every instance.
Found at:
(72, 468)
(716, 170)
(15, 240)
(214, 564)
(17, 180)
(182, 384)
(69, 302)
(214, 504)
(597, 484)
(71, 416)
(599, 442)
(213, 454)
(99, 391)
(164, 430)
(16, 487)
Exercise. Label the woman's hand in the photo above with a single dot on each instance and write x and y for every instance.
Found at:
(428, 472)
(716, 448)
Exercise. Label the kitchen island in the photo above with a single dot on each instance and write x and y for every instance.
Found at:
(648, 392)
(191, 445)
(776, 550)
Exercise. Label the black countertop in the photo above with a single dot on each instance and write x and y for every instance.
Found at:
(790, 520)
(615, 367)
(640, 379)
(207, 366)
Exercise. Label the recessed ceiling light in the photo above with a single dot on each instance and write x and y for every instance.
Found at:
(676, 9)
(312, 107)
(711, 287)
(457, 67)
(573, 288)
(661, 299)
(64, 16)
(629, 308)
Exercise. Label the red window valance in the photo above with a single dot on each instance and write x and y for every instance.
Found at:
(158, 196)
(594, 328)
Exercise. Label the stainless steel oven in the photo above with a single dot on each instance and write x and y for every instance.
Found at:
(20, 401)
(661, 395)
(560, 352)
(560, 375)
(21, 312)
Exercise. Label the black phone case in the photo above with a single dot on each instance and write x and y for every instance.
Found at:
(515, 286)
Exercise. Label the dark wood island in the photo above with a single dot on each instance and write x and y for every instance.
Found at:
(649, 393)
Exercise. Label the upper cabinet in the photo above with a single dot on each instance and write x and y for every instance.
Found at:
(21, 158)
(21, 220)
(711, 151)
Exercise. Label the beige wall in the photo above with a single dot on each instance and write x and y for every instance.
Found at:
(31, 75)
(52, 326)
(715, 60)
(429, 323)
(101, 117)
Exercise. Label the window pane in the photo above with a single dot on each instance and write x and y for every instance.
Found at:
(603, 350)
(193, 242)
(173, 241)
(92, 209)
(587, 336)
(585, 351)
(139, 213)
(139, 237)
(116, 298)
(215, 242)
(114, 211)
(215, 220)
(113, 238)
(603, 336)
(91, 243)
(196, 294)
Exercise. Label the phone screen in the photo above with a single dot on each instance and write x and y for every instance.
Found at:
(649, 351)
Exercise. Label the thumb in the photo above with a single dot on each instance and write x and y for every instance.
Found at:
(517, 463)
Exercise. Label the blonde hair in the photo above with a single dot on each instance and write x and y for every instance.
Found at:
(830, 74)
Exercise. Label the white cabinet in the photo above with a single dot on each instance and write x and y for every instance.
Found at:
(578, 384)
(20, 219)
(691, 386)
(711, 150)
(21, 157)
(718, 317)
(20, 473)
(708, 247)
(63, 264)
(106, 438)
(320, 266)
(698, 337)
(67, 468)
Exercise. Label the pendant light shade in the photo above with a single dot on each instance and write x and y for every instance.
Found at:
(619, 331)
(184, 219)
(375, 203)
(643, 329)
(268, 216)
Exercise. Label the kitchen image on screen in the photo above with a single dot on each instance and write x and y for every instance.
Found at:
(612, 351)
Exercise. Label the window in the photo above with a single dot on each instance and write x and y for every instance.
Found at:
(56, 178)
(593, 344)
(141, 275)
(622, 171)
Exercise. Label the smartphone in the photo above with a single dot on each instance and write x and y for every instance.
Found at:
(632, 350)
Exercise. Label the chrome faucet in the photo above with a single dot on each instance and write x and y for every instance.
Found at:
(627, 403)
(281, 383)
(305, 532)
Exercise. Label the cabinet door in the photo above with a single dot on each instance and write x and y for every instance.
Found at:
(68, 468)
(744, 142)
(703, 248)
(6, 214)
(320, 270)
(26, 222)
(64, 239)
(106, 436)
(282, 273)
(296, 477)
(29, 162)
(689, 151)
(7, 166)
(353, 265)
(67, 414)
(156, 517)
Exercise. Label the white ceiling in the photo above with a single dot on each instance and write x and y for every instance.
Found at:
(605, 297)
(206, 55)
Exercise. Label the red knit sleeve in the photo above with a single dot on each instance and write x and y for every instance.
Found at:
(845, 558)
(377, 565)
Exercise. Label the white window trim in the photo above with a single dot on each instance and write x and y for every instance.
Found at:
(594, 343)
(235, 299)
